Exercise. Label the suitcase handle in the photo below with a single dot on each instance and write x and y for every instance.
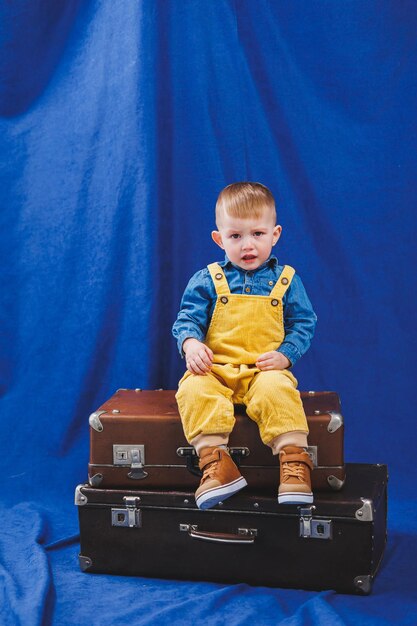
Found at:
(245, 536)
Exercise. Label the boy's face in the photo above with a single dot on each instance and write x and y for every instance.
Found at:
(247, 241)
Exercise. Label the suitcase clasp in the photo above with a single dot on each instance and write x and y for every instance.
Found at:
(313, 528)
(130, 516)
(132, 456)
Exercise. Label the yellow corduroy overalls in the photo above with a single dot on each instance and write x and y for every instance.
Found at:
(242, 328)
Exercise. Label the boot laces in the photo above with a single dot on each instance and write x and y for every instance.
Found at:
(292, 469)
(209, 471)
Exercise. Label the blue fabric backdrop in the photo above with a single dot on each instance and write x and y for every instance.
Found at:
(120, 123)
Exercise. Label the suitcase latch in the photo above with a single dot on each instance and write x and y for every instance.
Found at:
(191, 458)
(313, 528)
(132, 456)
(131, 516)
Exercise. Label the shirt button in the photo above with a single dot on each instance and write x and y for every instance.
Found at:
(247, 289)
(270, 283)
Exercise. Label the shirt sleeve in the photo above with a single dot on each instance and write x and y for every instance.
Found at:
(299, 321)
(195, 310)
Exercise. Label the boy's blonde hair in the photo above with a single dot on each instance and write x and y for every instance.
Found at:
(245, 200)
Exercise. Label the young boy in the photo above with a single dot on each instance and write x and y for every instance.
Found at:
(243, 323)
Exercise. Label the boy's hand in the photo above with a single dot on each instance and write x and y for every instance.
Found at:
(198, 356)
(272, 361)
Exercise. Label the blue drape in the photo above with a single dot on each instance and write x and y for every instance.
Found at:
(120, 123)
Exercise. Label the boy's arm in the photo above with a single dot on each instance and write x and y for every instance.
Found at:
(299, 322)
(195, 310)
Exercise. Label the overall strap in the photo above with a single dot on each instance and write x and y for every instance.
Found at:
(219, 279)
(283, 282)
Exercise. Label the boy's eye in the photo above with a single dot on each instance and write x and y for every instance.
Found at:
(258, 233)
(235, 236)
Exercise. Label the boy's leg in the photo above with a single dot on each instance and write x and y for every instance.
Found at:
(293, 438)
(205, 407)
(207, 415)
(274, 403)
(209, 441)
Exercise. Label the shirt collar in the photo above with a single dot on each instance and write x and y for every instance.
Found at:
(272, 262)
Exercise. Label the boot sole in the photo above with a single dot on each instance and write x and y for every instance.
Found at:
(213, 496)
(295, 498)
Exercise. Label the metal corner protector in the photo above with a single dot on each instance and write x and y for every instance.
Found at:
(85, 562)
(80, 498)
(336, 421)
(366, 512)
(94, 421)
(363, 584)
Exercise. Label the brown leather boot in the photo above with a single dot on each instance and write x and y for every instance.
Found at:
(295, 475)
(221, 478)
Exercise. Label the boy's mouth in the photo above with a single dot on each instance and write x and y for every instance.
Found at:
(248, 257)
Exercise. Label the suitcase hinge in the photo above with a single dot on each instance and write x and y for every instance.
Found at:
(313, 528)
(131, 516)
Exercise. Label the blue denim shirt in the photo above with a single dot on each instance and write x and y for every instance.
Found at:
(199, 299)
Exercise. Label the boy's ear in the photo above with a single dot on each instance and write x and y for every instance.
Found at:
(217, 238)
(277, 234)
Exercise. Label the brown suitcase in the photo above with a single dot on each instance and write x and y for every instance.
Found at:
(337, 543)
(137, 442)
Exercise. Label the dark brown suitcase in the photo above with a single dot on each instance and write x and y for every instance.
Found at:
(336, 543)
(137, 442)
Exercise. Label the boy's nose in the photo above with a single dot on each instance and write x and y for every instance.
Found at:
(247, 244)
